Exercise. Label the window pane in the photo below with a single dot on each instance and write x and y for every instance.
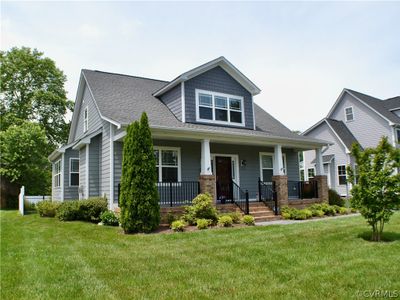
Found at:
(267, 161)
(221, 102)
(156, 155)
(221, 115)
(236, 117)
(205, 100)
(74, 165)
(342, 180)
(169, 174)
(205, 113)
(398, 135)
(169, 157)
(311, 173)
(74, 178)
(267, 175)
(235, 104)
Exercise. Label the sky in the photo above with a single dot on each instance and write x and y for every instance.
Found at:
(300, 54)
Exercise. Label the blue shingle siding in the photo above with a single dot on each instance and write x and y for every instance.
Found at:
(94, 166)
(173, 100)
(70, 192)
(216, 80)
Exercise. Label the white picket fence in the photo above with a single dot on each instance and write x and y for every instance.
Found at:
(30, 199)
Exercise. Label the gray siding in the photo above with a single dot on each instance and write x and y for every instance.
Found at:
(367, 127)
(94, 121)
(173, 100)
(216, 80)
(105, 161)
(118, 147)
(94, 166)
(70, 192)
(82, 171)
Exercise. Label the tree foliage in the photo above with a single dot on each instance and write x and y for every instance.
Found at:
(377, 192)
(22, 159)
(140, 210)
(32, 88)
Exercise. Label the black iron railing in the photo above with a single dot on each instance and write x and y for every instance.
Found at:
(302, 189)
(240, 198)
(267, 194)
(176, 193)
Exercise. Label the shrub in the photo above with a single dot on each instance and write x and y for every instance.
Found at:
(140, 210)
(248, 220)
(343, 211)
(286, 215)
(300, 215)
(29, 206)
(178, 226)
(47, 208)
(335, 199)
(329, 210)
(308, 213)
(91, 209)
(69, 211)
(225, 221)
(318, 213)
(202, 223)
(236, 216)
(170, 218)
(202, 208)
(109, 218)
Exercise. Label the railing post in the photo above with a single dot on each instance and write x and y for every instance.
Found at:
(259, 189)
(170, 193)
(275, 198)
(247, 202)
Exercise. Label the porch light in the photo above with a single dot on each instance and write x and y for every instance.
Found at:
(243, 163)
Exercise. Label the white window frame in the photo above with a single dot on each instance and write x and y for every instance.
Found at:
(70, 170)
(273, 163)
(159, 163)
(397, 131)
(338, 175)
(213, 108)
(308, 176)
(235, 170)
(352, 113)
(86, 119)
(57, 175)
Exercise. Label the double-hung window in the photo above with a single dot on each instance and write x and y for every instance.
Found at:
(219, 108)
(85, 120)
(311, 173)
(349, 114)
(342, 174)
(57, 173)
(398, 135)
(167, 164)
(267, 166)
(74, 172)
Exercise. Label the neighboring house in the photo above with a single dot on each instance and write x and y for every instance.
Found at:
(354, 118)
(208, 135)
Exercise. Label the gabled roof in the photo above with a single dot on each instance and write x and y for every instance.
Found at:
(220, 61)
(123, 98)
(373, 103)
(326, 159)
(392, 103)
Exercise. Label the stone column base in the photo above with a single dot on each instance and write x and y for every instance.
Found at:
(281, 188)
(208, 186)
(323, 188)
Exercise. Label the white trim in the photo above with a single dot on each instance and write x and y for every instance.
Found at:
(329, 175)
(213, 107)
(235, 158)
(254, 114)
(55, 174)
(337, 173)
(86, 119)
(183, 102)
(62, 177)
(337, 136)
(87, 172)
(70, 172)
(111, 200)
(352, 114)
(260, 154)
(307, 178)
(159, 163)
(396, 136)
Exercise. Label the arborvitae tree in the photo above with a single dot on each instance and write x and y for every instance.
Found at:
(377, 191)
(140, 209)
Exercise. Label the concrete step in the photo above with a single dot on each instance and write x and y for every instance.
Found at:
(266, 219)
(262, 213)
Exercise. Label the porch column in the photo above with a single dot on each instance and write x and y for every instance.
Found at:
(319, 167)
(279, 178)
(207, 179)
(323, 189)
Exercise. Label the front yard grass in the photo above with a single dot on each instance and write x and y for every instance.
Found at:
(43, 258)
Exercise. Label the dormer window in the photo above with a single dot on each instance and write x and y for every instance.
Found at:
(219, 108)
(85, 120)
(349, 114)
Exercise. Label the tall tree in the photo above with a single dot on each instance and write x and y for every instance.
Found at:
(22, 159)
(376, 192)
(140, 210)
(32, 88)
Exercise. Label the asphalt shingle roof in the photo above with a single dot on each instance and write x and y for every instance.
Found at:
(343, 132)
(123, 98)
(325, 159)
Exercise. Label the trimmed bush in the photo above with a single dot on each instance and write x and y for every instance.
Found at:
(335, 199)
(287, 215)
(236, 217)
(69, 211)
(328, 210)
(248, 220)
(140, 209)
(109, 218)
(202, 223)
(318, 213)
(91, 209)
(343, 211)
(170, 218)
(178, 226)
(225, 221)
(202, 208)
(47, 208)
(308, 213)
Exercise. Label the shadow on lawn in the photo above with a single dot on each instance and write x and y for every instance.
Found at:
(386, 236)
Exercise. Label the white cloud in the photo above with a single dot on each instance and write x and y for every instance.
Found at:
(90, 31)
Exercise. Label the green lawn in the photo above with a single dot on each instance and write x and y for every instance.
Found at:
(46, 259)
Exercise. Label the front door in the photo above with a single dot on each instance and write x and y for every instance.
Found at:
(223, 167)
